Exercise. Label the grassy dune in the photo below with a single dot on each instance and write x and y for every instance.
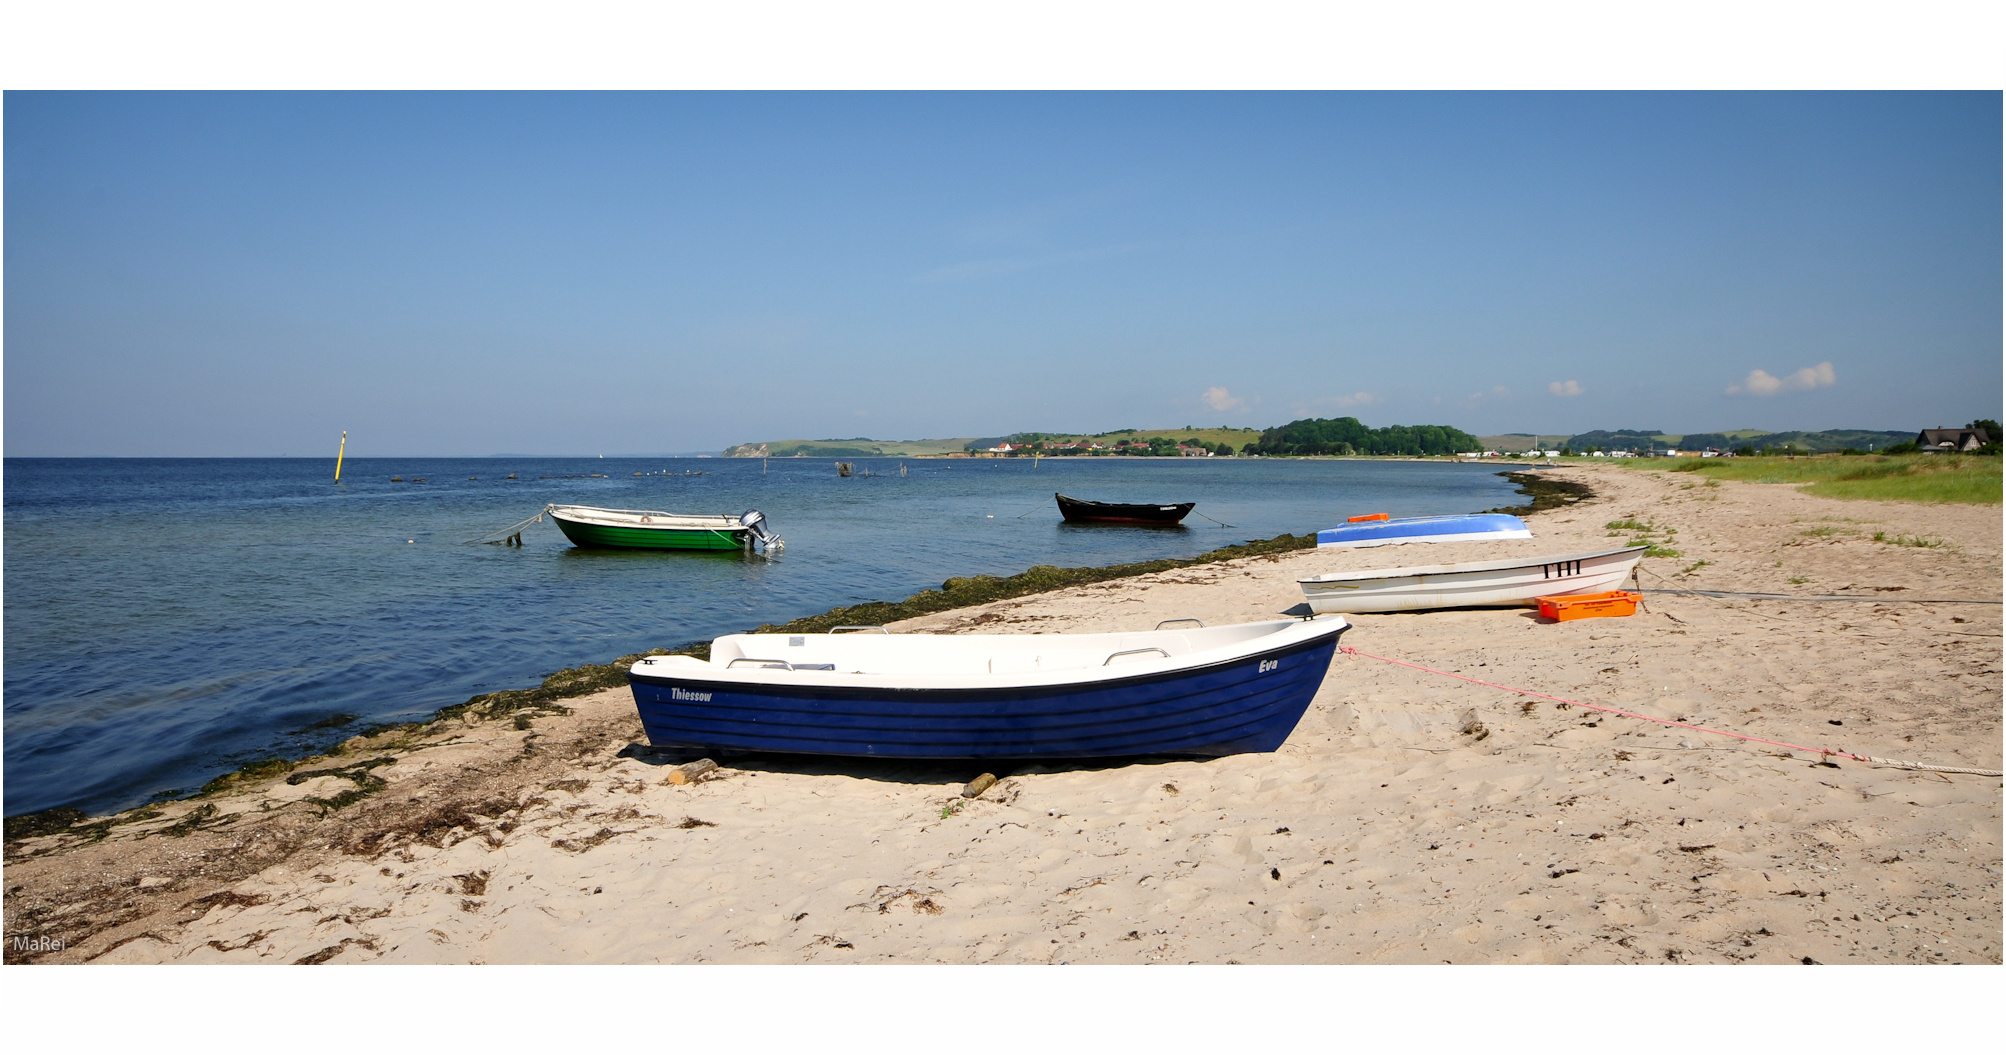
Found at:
(1904, 478)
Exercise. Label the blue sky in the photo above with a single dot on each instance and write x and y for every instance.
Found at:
(250, 274)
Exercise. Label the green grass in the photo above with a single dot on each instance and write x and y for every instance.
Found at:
(1643, 532)
(1917, 541)
(1908, 478)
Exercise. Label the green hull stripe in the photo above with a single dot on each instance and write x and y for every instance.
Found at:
(595, 535)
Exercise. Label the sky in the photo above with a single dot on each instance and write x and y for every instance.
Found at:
(243, 274)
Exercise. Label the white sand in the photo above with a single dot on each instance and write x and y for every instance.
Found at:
(1379, 833)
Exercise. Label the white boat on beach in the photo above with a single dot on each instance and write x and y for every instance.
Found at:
(1509, 583)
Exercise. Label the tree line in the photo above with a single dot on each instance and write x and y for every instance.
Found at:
(1350, 436)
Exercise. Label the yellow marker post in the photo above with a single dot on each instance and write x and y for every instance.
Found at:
(338, 453)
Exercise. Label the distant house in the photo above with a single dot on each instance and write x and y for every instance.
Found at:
(1941, 439)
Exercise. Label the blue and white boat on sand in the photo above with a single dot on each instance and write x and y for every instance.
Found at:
(1464, 527)
(1182, 690)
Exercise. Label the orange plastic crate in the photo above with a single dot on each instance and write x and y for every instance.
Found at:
(1589, 605)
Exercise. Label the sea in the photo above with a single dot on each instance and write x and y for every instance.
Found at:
(169, 620)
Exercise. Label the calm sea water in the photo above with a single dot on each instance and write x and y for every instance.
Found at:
(168, 620)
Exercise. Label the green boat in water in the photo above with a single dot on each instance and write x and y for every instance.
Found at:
(594, 528)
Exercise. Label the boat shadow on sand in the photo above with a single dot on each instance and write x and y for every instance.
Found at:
(892, 771)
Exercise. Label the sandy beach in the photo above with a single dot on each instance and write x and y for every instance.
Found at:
(1411, 818)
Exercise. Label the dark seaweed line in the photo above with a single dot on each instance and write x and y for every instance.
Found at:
(1545, 493)
(960, 592)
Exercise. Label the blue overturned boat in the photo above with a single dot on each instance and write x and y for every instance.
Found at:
(1378, 530)
(1188, 690)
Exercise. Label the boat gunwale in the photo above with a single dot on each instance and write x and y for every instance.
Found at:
(1160, 506)
(692, 522)
(1044, 682)
(1466, 567)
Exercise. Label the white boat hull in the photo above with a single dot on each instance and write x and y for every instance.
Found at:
(1509, 583)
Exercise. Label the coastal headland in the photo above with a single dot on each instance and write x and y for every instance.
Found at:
(1412, 817)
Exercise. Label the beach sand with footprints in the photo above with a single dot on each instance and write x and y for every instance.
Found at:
(1411, 818)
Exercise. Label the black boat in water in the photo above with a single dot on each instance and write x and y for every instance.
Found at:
(1079, 512)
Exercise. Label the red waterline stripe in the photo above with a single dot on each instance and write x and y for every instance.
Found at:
(1349, 651)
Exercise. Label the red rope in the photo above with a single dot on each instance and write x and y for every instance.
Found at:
(1349, 651)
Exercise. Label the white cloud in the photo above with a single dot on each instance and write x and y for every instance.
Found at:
(1566, 388)
(1219, 399)
(1762, 383)
(1356, 399)
(1497, 392)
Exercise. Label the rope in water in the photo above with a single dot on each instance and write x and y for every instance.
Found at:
(1820, 751)
(507, 531)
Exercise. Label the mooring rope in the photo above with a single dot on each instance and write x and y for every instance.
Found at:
(1820, 751)
(1221, 523)
(1722, 594)
(507, 531)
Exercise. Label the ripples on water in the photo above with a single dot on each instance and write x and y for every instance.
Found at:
(169, 620)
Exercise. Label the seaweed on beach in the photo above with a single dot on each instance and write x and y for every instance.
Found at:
(1545, 492)
(565, 684)
(264, 767)
(190, 822)
(366, 783)
(433, 826)
(46, 822)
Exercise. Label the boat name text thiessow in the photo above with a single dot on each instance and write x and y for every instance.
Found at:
(684, 694)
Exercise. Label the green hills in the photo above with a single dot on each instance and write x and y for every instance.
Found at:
(1311, 436)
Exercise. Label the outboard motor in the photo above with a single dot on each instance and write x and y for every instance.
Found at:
(755, 522)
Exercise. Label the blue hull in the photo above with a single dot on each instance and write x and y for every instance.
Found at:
(1248, 704)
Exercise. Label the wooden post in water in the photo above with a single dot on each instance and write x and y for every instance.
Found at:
(339, 451)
